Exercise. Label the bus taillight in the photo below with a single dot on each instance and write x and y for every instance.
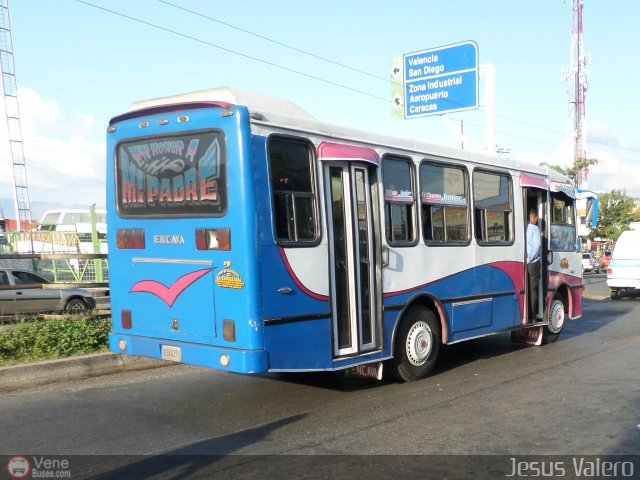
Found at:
(213, 239)
(130, 238)
(125, 319)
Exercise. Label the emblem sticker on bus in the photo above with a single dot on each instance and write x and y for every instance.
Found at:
(229, 278)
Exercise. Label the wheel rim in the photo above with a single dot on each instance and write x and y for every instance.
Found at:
(75, 306)
(556, 317)
(419, 343)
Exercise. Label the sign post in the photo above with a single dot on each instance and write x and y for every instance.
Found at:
(441, 80)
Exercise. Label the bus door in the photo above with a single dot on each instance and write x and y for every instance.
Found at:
(354, 264)
(536, 199)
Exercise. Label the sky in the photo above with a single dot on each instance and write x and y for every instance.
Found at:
(80, 62)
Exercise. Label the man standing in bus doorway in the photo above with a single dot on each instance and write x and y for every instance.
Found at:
(533, 261)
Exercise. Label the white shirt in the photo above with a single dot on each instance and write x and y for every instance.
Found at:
(533, 243)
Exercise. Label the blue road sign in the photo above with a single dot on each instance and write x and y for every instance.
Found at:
(441, 80)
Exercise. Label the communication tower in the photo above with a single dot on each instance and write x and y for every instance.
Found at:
(21, 190)
(577, 77)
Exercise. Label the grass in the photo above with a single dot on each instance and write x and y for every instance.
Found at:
(33, 340)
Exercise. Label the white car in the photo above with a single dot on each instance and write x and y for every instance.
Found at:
(588, 265)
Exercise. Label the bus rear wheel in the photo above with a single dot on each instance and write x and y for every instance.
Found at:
(551, 331)
(417, 345)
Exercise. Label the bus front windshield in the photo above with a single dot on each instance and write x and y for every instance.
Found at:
(178, 175)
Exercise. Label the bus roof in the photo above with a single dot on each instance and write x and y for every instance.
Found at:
(275, 112)
(256, 103)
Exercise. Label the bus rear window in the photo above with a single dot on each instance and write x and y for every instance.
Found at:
(181, 175)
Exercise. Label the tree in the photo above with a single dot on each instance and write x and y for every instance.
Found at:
(578, 165)
(616, 212)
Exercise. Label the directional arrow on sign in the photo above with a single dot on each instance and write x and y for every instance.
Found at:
(396, 70)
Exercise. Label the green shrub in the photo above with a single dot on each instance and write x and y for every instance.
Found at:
(33, 340)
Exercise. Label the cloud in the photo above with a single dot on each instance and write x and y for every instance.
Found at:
(63, 164)
(613, 172)
(600, 132)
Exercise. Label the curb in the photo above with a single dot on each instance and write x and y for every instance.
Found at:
(74, 368)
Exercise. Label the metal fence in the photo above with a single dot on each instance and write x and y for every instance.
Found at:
(52, 242)
(80, 269)
(62, 257)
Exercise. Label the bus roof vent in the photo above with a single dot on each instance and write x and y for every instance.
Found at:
(260, 106)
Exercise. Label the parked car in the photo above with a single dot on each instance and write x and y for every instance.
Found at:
(23, 291)
(588, 265)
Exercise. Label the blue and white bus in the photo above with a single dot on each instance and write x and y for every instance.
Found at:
(246, 236)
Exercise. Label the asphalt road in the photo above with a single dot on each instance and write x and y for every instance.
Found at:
(578, 396)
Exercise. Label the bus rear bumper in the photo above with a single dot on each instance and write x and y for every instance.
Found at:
(220, 358)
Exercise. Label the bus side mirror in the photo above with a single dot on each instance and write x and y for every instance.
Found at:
(591, 219)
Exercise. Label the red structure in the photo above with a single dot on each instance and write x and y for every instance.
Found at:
(580, 78)
(10, 225)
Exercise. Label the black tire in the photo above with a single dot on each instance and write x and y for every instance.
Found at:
(417, 345)
(557, 316)
(614, 294)
(76, 305)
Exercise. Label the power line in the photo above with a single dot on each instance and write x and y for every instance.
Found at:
(276, 42)
(317, 78)
(63, 174)
(363, 72)
(234, 52)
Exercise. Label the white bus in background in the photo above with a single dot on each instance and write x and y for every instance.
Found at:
(78, 221)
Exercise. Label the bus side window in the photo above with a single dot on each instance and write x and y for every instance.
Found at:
(292, 189)
(399, 201)
(444, 199)
(493, 208)
(563, 228)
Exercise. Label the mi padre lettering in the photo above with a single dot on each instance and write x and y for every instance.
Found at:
(167, 173)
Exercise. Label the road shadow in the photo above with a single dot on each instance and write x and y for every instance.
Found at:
(337, 381)
(451, 357)
(211, 458)
(632, 295)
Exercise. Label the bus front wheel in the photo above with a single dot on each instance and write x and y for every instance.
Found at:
(417, 345)
(551, 332)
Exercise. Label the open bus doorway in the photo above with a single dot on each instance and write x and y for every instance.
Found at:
(536, 200)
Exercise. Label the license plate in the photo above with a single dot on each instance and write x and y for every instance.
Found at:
(171, 353)
(530, 336)
(368, 370)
